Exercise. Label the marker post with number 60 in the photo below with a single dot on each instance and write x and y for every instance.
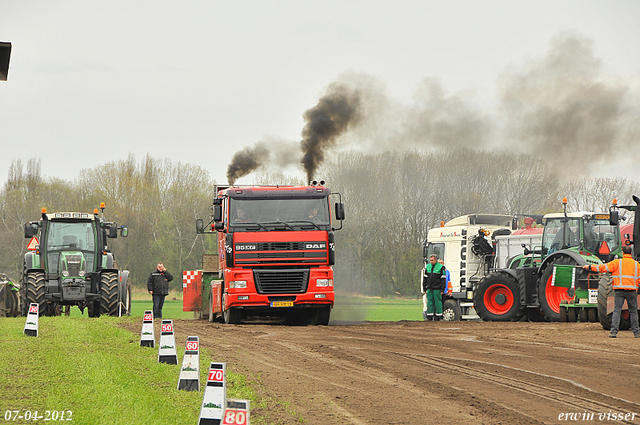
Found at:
(190, 371)
(31, 325)
(214, 399)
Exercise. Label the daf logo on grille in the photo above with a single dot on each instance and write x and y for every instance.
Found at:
(315, 246)
(246, 247)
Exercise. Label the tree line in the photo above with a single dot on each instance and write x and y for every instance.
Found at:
(392, 199)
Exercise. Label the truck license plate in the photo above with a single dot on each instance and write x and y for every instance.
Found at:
(282, 304)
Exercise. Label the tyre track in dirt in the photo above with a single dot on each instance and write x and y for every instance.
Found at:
(416, 372)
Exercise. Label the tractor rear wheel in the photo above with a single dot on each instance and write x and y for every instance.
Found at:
(109, 293)
(605, 290)
(551, 296)
(497, 298)
(35, 291)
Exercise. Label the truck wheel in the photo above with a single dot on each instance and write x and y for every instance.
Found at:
(109, 293)
(497, 298)
(322, 316)
(451, 310)
(231, 315)
(35, 291)
(550, 296)
(605, 290)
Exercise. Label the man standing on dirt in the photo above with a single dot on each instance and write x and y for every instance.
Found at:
(158, 287)
(625, 272)
(433, 282)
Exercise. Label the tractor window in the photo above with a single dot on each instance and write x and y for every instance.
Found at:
(599, 232)
(434, 249)
(69, 236)
(560, 233)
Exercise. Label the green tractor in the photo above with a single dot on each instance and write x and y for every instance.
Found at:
(547, 282)
(71, 265)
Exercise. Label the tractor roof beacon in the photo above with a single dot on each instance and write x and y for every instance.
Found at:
(71, 264)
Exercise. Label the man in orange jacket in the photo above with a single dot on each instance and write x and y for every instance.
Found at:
(625, 272)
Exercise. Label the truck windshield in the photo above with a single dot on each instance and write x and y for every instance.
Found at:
(69, 236)
(283, 212)
(597, 232)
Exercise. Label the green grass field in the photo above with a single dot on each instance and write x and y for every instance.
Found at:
(98, 371)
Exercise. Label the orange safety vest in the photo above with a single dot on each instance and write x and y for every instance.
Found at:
(624, 272)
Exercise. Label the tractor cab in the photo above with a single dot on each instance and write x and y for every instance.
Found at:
(588, 234)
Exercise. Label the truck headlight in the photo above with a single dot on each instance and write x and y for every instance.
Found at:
(65, 273)
(324, 282)
(238, 284)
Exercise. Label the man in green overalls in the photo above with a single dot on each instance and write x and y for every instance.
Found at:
(433, 282)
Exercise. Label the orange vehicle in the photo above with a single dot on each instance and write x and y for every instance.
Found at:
(276, 251)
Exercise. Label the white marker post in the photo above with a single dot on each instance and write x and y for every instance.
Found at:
(190, 371)
(214, 399)
(237, 412)
(167, 352)
(31, 325)
(147, 336)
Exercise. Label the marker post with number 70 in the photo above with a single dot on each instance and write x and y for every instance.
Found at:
(214, 399)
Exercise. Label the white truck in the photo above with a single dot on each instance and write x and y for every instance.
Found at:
(472, 246)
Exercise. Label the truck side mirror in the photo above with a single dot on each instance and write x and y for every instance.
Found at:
(217, 213)
(339, 211)
(613, 218)
(124, 231)
(30, 230)
(199, 226)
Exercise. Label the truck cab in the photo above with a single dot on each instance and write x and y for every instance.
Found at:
(276, 250)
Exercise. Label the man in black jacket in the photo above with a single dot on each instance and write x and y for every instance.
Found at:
(158, 287)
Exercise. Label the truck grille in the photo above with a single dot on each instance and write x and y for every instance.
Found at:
(280, 246)
(286, 281)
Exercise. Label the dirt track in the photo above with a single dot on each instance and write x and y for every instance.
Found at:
(425, 372)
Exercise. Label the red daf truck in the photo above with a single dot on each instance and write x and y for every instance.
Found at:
(276, 251)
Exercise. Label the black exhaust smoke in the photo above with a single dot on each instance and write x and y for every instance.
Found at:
(334, 114)
(246, 161)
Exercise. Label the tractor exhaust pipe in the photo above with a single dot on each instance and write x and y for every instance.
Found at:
(5, 55)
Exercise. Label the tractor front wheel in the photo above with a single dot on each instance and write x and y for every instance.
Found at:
(35, 291)
(497, 298)
(109, 293)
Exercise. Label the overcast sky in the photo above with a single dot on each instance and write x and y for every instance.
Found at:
(91, 82)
